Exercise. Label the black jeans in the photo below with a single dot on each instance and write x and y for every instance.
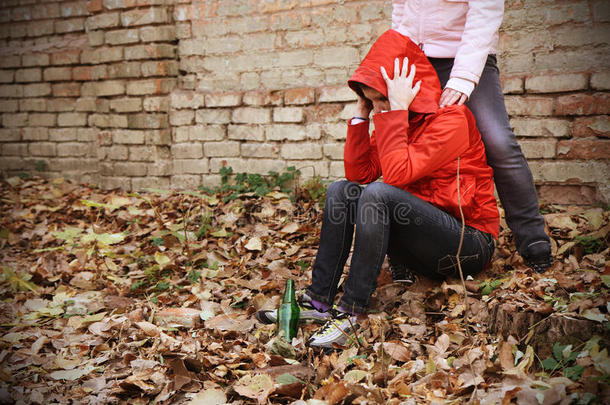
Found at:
(393, 221)
(512, 175)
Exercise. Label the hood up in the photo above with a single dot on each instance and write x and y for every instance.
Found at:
(389, 46)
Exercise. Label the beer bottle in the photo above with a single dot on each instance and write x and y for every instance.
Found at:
(288, 313)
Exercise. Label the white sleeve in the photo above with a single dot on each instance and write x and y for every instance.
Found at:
(461, 85)
(398, 8)
(482, 22)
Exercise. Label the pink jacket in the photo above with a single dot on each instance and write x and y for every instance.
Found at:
(466, 30)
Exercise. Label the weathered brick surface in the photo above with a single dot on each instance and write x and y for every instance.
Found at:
(139, 93)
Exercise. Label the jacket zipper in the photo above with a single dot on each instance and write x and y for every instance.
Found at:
(420, 35)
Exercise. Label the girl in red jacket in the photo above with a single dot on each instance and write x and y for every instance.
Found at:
(426, 157)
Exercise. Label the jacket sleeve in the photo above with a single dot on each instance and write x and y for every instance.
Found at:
(398, 7)
(360, 156)
(482, 22)
(443, 139)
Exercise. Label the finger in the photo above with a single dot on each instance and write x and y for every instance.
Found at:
(411, 75)
(384, 74)
(416, 88)
(444, 97)
(453, 98)
(396, 68)
(405, 67)
(462, 99)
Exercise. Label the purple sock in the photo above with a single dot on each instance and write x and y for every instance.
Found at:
(320, 306)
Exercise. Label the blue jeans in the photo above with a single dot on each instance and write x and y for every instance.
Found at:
(393, 221)
(512, 175)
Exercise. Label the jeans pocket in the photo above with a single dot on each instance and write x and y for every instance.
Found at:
(448, 265)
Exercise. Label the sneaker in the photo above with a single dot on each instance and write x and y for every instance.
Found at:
(401, 274)
(307, 312)
(538, 256)
(337, 331)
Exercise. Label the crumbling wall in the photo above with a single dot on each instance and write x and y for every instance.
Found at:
(160, 93)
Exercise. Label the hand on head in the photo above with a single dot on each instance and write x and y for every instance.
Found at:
(401, 90)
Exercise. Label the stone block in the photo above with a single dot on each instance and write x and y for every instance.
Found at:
(262, 98)
(142, 153)
(528, 106)
(101, 21)
(42, 120)
(40, 28)
(158, 33)
(570, 172)
(251, 115)
(185, 181)
(13, 149)
(555, 83)
(118, 152)
(150, 86)
(190, 166)
(90, 73)
(226, 99)
(28, 75)
(58, 90)
(71, 149)
(42, 149)
(57, 74)
(150, 51)
(160, 137)
(221, 149)
(187, 151)
(186, 99)
(539, 148)
(541, 127)
(310, 168)
(156, 104)
(260, 150)
(337, 170)
(333, 151)
(74, 9)
(206, 132)
(160, 68)
(299, 96)
(600, 81)
(213, 116)
(152, 121)
(247, 132)
(68, 57)
(153, 15)
(62, 134)
(288, 114)
(12, 106)
(130, 169)
(301, 151)
(181, 117)
(122, 37)
(290, 132)
(11, 134)
(512, 84)
(7, 76)
(160, 168)
(72, 119)
(69, 26)
(58, 104)
(35, 59)
(336, 57)
(14, 120)
(127, 104)
(18, 91)
(36, 134)
(335, 131)
(333, 94)
(108, 121)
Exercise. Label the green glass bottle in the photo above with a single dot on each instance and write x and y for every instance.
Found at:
(288, 313)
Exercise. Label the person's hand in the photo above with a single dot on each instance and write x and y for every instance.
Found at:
(401, 91)
(363, 107)
(450, 97)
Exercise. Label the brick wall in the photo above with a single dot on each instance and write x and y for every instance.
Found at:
(163, 93)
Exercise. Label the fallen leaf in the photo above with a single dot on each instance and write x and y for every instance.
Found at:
(256, 387)
(254, 243)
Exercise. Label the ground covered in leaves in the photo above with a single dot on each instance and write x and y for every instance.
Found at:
(111, 297)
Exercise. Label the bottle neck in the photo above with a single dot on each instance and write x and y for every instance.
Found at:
(289, 292)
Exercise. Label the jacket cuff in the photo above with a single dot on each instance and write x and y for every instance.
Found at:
(462, 85)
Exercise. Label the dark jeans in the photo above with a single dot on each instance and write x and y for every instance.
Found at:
(512, 175)
(388, 220)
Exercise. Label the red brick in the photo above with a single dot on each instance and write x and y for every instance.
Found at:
(564, 194)
(299, 96)
(66, 90)
(95, 6)
(584, 148)
(583, 104)
(591, 126)
(69, 57)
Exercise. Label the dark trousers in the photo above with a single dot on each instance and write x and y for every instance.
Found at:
(393, 221)
(512, 175)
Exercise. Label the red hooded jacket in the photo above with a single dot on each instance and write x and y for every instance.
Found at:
(419, 152)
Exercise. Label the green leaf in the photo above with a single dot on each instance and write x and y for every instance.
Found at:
(606, 279)
(573, 373)
(18, 282)
(68, 234)
(558, 351)
(549, 363)
(286, 379)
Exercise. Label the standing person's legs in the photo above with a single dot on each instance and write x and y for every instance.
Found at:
(512, 175)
